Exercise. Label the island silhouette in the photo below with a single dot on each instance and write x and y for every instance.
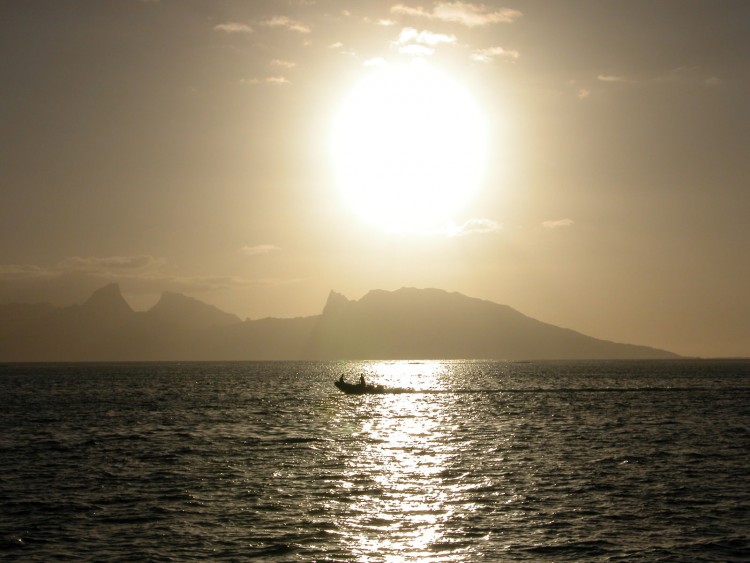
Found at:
(408, 323)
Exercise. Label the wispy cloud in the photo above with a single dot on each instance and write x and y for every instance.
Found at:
(416, 50)
(583, 93)
(488, 55)
(276, 80)
(612, 78)
(287, 23)
(474, 227)
(340, 47)
(23, 271)
(557, 223)
(142, 264)
(464, 13)
(411, 35)
(282, 63)
(684, 75)
(689, 75)
(112, 264)
(259, 249)
(233, 27)
(384, 22)
(73, 279)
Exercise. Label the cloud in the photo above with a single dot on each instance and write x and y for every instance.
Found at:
(258, 249)
(384, 22)
(611, 78)
(287, 23)
(282, 63)
(74, 279)
(411, 35)
(416, 50)
(233, 27)
(487, 55)
(276, 80)
(465, 13)
(22, 271)
(207, 283)
(689, 75)
(111, 264)
(113, 268)
(556, 224)
(474, 227)
(583, 93)
(684, 75)
(336, 45)
(409, 11)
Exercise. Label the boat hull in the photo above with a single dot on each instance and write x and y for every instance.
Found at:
(359, 389)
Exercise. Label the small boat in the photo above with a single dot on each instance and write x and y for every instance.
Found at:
(363, 388)
(359, 388)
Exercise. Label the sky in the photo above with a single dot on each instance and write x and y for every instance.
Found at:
(584, 162)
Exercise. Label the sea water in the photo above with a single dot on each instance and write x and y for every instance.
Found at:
(491, 461)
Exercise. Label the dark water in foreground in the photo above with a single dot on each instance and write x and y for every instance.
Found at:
(595, 461)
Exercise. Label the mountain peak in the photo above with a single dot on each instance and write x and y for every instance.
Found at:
(172, 298)
(411, 323)
(188, 312)
(334, 302)
(108, 298)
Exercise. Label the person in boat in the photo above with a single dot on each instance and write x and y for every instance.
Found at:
(341, 379)
(362, 381)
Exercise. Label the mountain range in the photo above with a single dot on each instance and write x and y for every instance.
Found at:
(407, 323)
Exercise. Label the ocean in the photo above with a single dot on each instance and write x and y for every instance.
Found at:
(484, 461)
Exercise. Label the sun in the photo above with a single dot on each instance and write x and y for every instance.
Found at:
(409, 147)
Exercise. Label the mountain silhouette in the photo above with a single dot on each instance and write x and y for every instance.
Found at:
(188, 313)
(69, 333)
(430, 323)
(405, 324)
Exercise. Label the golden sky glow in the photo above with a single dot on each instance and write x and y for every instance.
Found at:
(584, 162)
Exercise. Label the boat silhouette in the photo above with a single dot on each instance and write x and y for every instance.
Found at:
(363, 388)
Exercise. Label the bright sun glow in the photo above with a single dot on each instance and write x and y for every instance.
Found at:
(409, 148)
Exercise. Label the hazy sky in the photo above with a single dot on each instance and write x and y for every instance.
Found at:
(187, 145)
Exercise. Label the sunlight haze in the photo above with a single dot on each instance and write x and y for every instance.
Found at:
(583, 162)
(409, 148)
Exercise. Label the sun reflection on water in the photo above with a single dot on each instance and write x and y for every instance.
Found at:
(399, 485)
(418, 375)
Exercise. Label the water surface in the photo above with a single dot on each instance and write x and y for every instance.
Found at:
(494, 461)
